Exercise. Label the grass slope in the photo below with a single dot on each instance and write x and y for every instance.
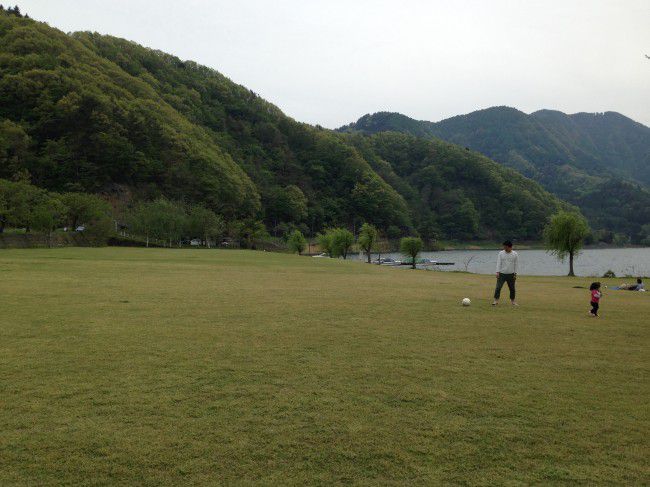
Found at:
(135, 366)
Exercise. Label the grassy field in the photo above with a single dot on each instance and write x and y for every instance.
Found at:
(155, 367)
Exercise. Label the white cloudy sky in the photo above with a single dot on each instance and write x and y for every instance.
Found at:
(331, 61)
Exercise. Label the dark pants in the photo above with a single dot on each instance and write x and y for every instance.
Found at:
(594, 308)
(510, 279)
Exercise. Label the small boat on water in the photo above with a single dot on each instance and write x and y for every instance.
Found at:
(387, 261)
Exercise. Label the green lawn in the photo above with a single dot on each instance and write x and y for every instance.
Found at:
(153, 366)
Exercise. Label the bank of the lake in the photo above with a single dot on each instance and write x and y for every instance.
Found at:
(537, 262)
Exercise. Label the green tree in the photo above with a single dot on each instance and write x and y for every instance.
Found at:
(4, 210)
(341, 242)
(374, 200)
(297, 242)
(460, 220)
(393, 232)
(205, 223)
(287, 204)
(325, 242)
(98, 231)
(428, 229)
(83, 209)
(621, 240)
(169, 220)
(249, 232)
(564, 235)
(47, 216)
(368, 239)
(14, 148)
(645, 234)
(20, 199)
(411, 247)
(142, 221)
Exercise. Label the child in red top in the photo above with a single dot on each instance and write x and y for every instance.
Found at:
(595, 299)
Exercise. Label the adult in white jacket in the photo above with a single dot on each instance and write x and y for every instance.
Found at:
(507, 263)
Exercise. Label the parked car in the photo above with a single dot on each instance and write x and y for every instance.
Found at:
(195, 242)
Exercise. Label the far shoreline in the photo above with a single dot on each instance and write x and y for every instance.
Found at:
(523, 246)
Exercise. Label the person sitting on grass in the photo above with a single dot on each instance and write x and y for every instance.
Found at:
(636, 287)
(595, 299)
(507, 262)
(639, 286)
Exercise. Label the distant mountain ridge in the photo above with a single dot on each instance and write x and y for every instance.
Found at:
(573, 156)
(595, 143)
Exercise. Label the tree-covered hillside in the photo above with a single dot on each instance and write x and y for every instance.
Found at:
(597, 144)
(85, 112)
(577, 157)
(539, 144)
(456, 192)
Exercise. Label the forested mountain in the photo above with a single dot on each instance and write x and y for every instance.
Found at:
(539, 144)
(93, 113)
(577, 157)
(457, 192)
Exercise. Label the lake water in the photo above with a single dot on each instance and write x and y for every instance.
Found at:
(591, 262)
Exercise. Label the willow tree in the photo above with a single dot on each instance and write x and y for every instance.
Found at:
(564, 235)
(411, 247)
(367, 239)
(296, 242)
(342, 241)
(47, 216)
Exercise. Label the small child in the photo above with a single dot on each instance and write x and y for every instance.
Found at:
(595, 299)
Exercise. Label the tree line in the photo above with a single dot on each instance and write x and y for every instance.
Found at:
(564, 236)
(338, 242)
(160, 222)
(25, 206)
(15, 11)
(170, 223)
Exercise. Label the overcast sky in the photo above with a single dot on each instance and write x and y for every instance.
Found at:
(330, 61)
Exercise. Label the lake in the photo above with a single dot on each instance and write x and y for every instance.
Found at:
(591, 262)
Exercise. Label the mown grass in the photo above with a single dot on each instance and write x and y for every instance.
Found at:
(161, 367)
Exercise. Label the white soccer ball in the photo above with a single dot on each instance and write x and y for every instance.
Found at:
(466, 302)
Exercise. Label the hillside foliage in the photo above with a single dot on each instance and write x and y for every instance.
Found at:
(90, 113)
(597, 161)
